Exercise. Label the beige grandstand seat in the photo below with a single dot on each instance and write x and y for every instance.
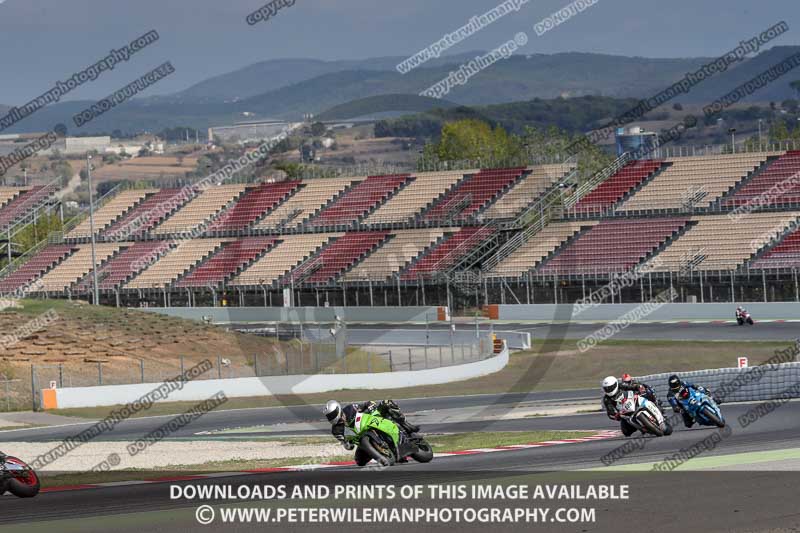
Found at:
(538, 247)
(292, 251)
(200, 210)
(694, 181)
(305, 202)
(176, 262)
(393, 256)
(8, 193)
(716, 242)
(110, 212)
(76, 266)
(417, 195)
(527, 191)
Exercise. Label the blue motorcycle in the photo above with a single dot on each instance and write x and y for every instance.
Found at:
(701, 407)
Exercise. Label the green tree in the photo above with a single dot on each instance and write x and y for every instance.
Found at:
(293, 170)
(318, 129)
(779, 131)
(475, 140)
(796, 86)
(552, 143)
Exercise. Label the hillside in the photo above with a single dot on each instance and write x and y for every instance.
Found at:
(570, 114)
(373, 105)
(267, 91)
(273, 74)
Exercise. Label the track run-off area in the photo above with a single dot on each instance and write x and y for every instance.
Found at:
(729, 485)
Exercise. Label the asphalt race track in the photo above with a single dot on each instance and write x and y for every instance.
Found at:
(678, 331)
(778, 431)
(757, 493)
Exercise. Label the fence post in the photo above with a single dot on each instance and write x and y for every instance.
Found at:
(391, 366)
(99, 373)
(255, 361)
(440, 356)
(181, 365)
(8, 399)
(426, 357)
(286, 358)
(33, 386)
(141, 368)
(219, 366)
(462, 353)
(60, 376)
(409, 358)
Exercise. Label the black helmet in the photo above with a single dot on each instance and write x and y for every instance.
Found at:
(674, 383)
(333, 411)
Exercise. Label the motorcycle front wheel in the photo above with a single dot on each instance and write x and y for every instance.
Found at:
(366, 445)
(649, 425)
(712, 417)
(23, 483)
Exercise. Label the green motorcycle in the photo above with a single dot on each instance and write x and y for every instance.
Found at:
(383, 441)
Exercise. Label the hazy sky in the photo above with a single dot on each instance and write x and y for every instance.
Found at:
(42, 41)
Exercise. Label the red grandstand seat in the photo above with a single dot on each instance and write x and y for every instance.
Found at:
(448, 252)
(334, 259)
(227, 262)
(255, 202)
(472, 194)
(359, 200)
(612, 246)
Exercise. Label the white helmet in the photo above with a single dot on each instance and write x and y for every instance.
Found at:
(610, 386)
(333, 412)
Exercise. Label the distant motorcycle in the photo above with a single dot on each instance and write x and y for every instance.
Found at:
(643, 414)
(17, 477)
(744, 318)
(702, 407)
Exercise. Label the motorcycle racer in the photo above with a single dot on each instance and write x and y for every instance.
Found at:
(613, 390)
(644, 389)
(341, 417)
(680, 389)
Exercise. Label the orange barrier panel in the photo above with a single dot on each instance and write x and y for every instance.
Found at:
(49, 399)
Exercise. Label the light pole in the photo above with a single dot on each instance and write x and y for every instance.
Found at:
(760, 144)
(91, 226)
(732, 131)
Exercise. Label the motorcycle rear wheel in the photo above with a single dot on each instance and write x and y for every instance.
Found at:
(425, 453)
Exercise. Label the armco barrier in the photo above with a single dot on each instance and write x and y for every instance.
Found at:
(671, 311)
(228, 315)
(199, 390)
(765, 382)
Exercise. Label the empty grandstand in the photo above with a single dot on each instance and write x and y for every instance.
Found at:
(711, 225)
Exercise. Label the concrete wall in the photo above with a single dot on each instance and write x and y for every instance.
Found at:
(672, 311)
(273, 385)
(464, 334)
(227, 315)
